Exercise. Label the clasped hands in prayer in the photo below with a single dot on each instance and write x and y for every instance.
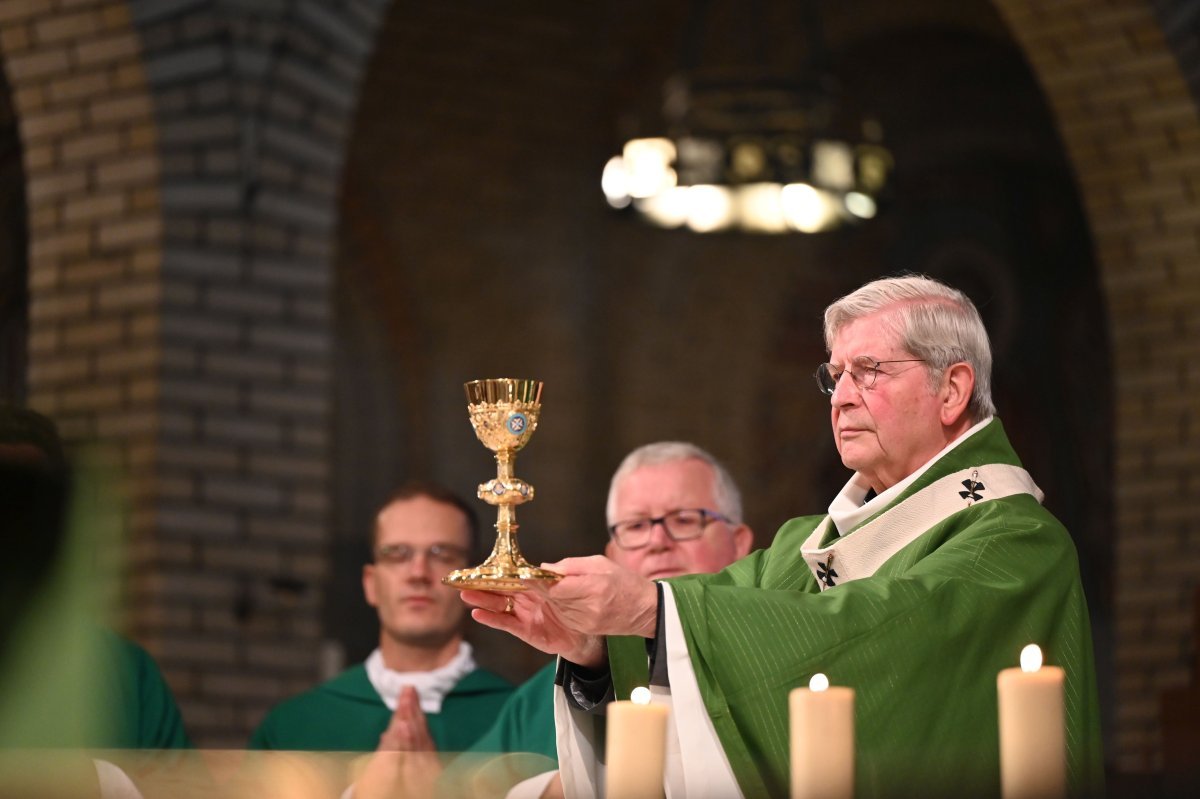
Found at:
(406, 762)
(571, 616)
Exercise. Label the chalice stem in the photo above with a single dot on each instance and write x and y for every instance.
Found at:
(506, 549)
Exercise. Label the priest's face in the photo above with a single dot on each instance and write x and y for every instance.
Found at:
(652, 492)
(886, 430)
(418, 541)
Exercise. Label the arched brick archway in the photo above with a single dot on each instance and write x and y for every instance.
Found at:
(182, 164)
(1131, 131)
(94, 220)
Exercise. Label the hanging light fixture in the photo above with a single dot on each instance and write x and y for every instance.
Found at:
(756, 149)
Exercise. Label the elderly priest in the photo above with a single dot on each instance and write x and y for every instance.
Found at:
(934, 566)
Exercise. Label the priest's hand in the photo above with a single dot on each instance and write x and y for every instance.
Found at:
(598, 597)
(571, 616)
(531, 617)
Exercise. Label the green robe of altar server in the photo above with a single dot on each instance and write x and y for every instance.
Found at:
(526, 722)
(347, 714)
(920, 641)
(141, 710)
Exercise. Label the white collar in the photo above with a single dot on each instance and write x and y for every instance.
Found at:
(873, 542)
(432, 686)
(848, 510)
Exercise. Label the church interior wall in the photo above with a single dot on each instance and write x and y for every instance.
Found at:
(267, 242)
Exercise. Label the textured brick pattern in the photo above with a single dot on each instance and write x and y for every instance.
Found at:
(95, 225)
(182, 164)
(95, 232)
(1131, 129)
(252, 105)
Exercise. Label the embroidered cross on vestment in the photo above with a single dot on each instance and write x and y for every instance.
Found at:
(825, 572)
(973, 486)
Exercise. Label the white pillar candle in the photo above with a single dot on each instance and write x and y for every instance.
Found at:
(1033, 752)
(822, 740)
(635, 746)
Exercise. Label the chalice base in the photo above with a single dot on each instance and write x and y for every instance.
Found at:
(496, 576)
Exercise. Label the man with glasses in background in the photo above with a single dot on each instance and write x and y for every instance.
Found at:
(672, 509)
(934, 566)
(420, 689)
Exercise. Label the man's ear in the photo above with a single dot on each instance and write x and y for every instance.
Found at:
(958, 382)
(368, 583)
(610, 550)
(743, 540)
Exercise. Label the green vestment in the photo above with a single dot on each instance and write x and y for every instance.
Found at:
(520, 744)
(920, 641)
(143, 712)
(347, 714)
(526, 722)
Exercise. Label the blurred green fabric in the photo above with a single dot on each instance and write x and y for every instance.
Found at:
(66, 680)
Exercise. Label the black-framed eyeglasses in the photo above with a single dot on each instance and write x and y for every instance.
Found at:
(863, 371)
(681, 525)
(446, 555)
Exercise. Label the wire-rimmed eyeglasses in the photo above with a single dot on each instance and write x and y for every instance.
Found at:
(446, 555)
(681, 525)
(863, 371)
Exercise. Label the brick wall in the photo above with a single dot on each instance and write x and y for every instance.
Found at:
(182, 160)
(1131, 130)
(88, 137)
(253, 103)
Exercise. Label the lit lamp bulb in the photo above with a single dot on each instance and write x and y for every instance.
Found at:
(833, 165)
(648, 162)
(709, 208)
(668, 209)
(614, 182)
(760, 208)
(861, 205)
(805, 208)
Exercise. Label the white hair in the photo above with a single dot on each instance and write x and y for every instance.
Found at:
(934, 322)
(725, 490)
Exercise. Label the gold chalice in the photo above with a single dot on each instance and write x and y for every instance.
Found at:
(504, 413)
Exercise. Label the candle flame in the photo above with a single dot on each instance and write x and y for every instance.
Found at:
(819, 682)
(1031, 658)
(640, 695)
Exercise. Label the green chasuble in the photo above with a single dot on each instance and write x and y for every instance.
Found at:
(347, 714)
(520, 744)
(920, 640)
(526, 722)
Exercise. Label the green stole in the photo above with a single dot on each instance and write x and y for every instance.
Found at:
(921, 640)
